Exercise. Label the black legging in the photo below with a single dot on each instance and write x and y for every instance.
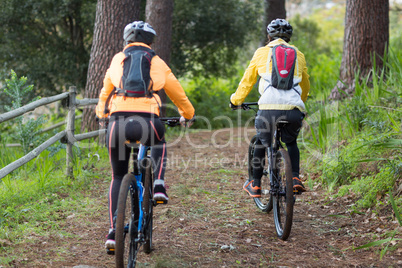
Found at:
(264, 123)
(259, 157)
(143, 127)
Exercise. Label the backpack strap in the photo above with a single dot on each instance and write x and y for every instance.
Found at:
(296, 90)
(131, 49)
(106, 111)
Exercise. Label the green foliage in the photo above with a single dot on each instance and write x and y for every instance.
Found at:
(47, 41)
(365, 156)
(323, 122)
(210, 98)
(324, 73)
(331, 23)
(208, 35)
(16, 92)
(355, 112)
(372, 188)
(395, 208)
(323, 57)
(26, 130)
(370, 142)
(38, 196)
(381, 242)
(305, 35)
(357, 142)
(395, 24)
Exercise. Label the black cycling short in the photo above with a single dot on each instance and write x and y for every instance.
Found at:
(266, 120)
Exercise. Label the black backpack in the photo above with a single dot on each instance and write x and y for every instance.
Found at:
(136, 72)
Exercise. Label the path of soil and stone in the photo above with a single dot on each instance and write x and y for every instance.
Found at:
(210, 221)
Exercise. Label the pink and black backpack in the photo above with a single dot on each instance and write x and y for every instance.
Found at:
(283, 66)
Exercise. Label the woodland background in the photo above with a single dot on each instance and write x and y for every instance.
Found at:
(350, 145)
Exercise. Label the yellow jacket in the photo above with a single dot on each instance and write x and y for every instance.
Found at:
(162, 78)
(272, 98)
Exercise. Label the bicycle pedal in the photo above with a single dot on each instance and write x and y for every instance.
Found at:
(160, 202)
(297, 192)
(110, 251)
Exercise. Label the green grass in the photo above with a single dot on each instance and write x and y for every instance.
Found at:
(356, 144)
(38, 197)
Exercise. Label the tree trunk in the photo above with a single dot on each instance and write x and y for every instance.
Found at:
(111, 18)
(366, 34)
(274, 9)
(159, 13)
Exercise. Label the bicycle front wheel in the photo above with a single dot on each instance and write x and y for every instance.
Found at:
(264, 203)
(283, 194)
(148, 205)
(127, 223)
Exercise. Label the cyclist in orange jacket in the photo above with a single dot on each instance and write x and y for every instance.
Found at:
(275, 103)
(136, 118)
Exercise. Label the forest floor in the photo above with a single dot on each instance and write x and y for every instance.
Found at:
(211, 222)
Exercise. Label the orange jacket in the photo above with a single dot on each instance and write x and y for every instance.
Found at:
(162, 78)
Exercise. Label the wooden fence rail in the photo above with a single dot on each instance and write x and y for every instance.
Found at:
(67, 134)
(31, 106)
(43, 131)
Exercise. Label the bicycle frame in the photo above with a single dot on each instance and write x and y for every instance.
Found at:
(276, 146)
(136, 186)
(281, 195)
(139, 154)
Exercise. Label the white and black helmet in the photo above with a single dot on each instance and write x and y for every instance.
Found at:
(280, 28)
(139, 31)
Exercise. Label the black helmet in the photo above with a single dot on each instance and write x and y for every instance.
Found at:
(280, 28)
(139, 31)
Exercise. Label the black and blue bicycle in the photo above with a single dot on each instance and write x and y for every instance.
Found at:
(134, 215)
(277, 181)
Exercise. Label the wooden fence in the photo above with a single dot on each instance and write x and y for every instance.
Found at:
(67, 134)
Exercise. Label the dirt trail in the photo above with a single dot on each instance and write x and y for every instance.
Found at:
(210, 221)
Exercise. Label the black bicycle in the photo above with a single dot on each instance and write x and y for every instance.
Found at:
(134, 215)
(277, 181)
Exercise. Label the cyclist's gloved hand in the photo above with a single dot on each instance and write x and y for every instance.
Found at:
(187, 122)
(234, 107)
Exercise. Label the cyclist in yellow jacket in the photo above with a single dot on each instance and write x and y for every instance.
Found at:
(275, 103)
(136, 118)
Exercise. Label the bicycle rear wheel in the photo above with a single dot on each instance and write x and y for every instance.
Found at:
(148, 205)
(283, 195)
(127, 223)
(264, 203)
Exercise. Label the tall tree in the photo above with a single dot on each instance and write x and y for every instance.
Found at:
(159, 13)
(111, 18)
(366, 36)
(274, 9)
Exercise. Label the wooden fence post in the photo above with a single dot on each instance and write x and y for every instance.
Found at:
(66, 136)
(70, 132)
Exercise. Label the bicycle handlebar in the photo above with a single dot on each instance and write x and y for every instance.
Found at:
(171, 121)
(245, 106)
